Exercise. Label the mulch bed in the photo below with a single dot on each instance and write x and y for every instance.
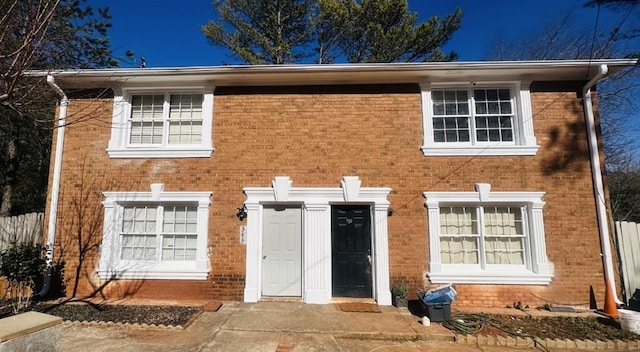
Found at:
(150, 315)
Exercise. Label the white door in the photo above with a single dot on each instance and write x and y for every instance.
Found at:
(282, 251)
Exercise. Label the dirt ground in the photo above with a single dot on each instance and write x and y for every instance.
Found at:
(580, 328)
(594, 328)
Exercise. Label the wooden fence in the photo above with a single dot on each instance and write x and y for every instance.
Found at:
(25, 228)
(628, 236)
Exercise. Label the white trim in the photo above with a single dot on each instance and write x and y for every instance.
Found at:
(537, 270)
(524, 139)
(111, 267)
(316, 235)
(119, 146)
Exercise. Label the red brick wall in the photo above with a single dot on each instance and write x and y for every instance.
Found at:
(317, 135)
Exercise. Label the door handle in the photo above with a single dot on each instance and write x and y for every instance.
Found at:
(264, 257)
(369, 258)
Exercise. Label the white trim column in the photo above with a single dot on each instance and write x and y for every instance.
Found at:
(254, 253)
(317, 253)
(539, 258)
(381, 254)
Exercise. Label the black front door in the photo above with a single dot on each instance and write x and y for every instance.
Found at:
(351, 250)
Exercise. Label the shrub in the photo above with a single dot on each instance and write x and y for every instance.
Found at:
(21, 265)
(399, 290)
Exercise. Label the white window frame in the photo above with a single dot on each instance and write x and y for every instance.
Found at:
(524, 141)
(119, 146)
(111, 266)
(537, 269)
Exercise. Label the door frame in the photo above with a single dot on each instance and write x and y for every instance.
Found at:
(316, 234)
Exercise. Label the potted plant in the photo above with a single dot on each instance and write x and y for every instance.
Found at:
(399, 293)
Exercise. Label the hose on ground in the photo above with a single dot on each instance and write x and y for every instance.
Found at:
(471, 323)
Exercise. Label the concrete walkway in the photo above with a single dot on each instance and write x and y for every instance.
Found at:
(275, 326)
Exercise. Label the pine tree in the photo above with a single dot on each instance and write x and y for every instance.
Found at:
(325, 31)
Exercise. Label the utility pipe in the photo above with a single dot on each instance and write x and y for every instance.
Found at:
(55, 187)
(598, 188)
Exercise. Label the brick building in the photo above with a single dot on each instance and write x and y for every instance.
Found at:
(323, 181)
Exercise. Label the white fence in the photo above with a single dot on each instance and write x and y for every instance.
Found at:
(628, 236)
(25, 228)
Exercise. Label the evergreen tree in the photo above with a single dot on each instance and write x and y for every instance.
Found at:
(263, 31)
(325, 31)
(386, 31)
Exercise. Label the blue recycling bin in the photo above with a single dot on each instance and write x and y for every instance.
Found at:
(442, 294)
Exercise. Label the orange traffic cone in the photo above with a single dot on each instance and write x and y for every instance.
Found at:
(610, 309)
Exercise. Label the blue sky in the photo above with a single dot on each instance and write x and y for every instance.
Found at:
(168, 35)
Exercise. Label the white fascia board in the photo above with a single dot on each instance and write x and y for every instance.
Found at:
(337, 74)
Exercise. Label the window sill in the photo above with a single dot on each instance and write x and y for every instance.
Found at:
(146, 153)
(480, 150)
(179, 271)
(519, 277)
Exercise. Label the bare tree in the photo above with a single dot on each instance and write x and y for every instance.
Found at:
(40, 34)
(564, 39)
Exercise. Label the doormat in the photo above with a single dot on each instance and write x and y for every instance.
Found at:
(212, 306)
(360, 307)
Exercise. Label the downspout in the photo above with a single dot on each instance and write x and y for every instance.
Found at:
(55, 187)
(598, 188)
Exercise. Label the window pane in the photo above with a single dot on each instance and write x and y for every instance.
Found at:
(451, 136)
(451, 109)
(138, 247)
(185, 116)
(481, 108)
(450, 95)
(464, 136)
(179, 247)
(458, 220)
(482, 136)
(438, 108)
(505, 108)
(146, 120)
(438, 123)
(179, 219)
(494, 129)
(459, 250)
(507, 135)
(505, 235)
(455, 105)
(504, 251)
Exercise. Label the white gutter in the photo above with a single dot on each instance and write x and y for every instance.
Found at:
(598, 188)
(55, 187)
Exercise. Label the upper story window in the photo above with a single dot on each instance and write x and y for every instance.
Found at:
(162, 125)
(487, 237)
(477, 119)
